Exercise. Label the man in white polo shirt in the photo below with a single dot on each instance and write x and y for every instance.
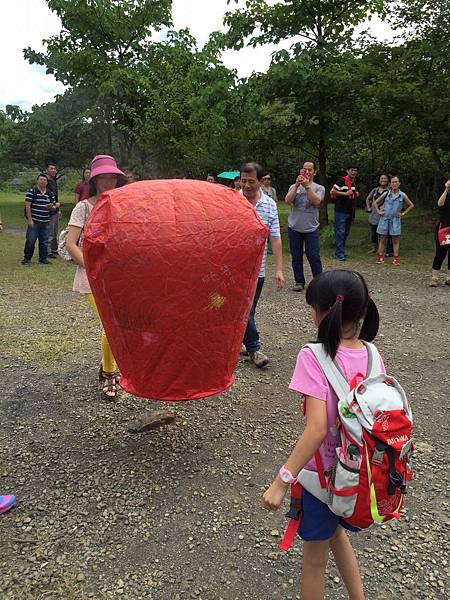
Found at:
(251, 176)
(305, 197)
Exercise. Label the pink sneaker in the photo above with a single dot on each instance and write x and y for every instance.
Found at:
(6, 503)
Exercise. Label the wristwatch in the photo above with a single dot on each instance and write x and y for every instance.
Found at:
(286, 476)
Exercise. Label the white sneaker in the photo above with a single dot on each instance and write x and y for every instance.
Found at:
(259, 359)
(434, 278)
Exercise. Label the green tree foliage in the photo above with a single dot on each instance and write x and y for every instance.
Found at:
(101, 45)
(148, 95)
(9, 137)
(100, 37)
(315, 22)
(403, 107)
(310, 76)
(161, 103)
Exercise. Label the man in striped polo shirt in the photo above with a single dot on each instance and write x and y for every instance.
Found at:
(251, 179)
(39, 205)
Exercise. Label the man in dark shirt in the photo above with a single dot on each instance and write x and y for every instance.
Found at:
(38, 204)
(345, 194)
(52, 187)
(444, 250)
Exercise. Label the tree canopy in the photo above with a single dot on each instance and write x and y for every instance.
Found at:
(146, 93)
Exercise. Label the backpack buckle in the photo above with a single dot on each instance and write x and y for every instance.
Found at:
(295, 509)
(378, 456)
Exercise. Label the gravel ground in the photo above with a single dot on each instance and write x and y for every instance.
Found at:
(174, 513)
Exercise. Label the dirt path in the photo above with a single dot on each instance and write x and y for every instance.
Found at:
(174, 514)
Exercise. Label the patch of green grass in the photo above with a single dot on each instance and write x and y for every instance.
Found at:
(41, 321)
(12, 203)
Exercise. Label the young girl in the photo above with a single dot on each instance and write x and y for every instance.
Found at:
(340, 301)
(391, 214)
(374, 217)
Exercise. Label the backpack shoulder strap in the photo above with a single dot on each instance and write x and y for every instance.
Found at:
(86, 212)
(373, 360)
(331, 370)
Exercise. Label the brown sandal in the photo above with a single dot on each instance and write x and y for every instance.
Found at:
(108, 384)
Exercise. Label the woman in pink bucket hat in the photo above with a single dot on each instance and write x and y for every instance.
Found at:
(105, 176)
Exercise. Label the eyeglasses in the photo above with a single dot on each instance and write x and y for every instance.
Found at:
(267, 178)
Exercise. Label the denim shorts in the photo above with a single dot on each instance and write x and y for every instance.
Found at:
(389, 226)
(318, 522)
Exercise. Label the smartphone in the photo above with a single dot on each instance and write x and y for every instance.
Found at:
(303, 173)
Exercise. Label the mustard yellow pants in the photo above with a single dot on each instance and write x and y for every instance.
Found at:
(108, 362)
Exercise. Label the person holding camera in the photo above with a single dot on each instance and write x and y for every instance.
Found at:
(40, 204)
(304, 197)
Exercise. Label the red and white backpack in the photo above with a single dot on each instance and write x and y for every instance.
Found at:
(374, 460)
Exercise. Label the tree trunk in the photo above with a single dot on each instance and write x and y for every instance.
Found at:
(323, 179)
(109, 134)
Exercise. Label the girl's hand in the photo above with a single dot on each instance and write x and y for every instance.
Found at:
(380, 212)
(399, 215)
(274, 496)
(447, 185)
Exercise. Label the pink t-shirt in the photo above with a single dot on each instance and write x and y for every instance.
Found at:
(308, 379)
(79, 218)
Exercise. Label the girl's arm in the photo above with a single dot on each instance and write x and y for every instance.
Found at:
(379, 201)
(72, 245)
(410, 207)
(369, 202)
(306, 446)
(442, 198)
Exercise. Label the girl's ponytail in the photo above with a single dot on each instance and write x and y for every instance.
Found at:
(330, 328)
(371, 323)
(342, 298)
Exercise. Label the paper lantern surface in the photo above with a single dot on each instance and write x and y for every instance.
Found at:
(173, 266)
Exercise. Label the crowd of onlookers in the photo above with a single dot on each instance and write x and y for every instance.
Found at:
(386, 205)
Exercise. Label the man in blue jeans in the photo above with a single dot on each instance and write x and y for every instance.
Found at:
(39, 205)
(304, 197)
(266, 209)
(345, 194)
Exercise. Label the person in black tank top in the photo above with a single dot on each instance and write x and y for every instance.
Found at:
(442, 251)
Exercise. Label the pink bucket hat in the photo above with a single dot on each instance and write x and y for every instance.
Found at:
(103, 164)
